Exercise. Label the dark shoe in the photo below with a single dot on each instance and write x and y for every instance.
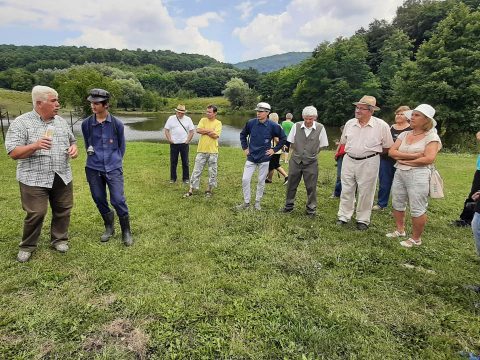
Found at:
(341, 222)
(310, 214)
(108, 220)
(460, 223)
(126, 233)
(362, 226)
(285, 181)
(208, 194)
(187, 194)
(286, 210)
(268, 181)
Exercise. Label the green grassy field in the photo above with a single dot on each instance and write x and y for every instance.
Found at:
(15, 102)
(205, 282)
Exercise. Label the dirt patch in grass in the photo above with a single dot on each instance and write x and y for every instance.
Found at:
(122, 333)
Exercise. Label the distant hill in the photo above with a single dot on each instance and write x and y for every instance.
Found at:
(274, 62)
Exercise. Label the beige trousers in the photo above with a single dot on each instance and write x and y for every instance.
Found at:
(358, 176)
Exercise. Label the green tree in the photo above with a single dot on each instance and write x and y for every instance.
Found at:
(395, 52)
(130, 94)
(74, 84)
(239, 94)
(447, 74)
(337, 68)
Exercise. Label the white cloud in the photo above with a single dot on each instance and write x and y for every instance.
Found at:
(247, 7)
(306, 23)
(116, 24)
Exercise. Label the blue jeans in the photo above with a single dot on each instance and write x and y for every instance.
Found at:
(476, 231)
(99, 181)
(181, 149)
(385, 177)
(338, 184)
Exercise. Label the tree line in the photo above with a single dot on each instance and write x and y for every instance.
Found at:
(429, 53)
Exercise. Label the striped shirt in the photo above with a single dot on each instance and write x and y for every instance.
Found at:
(39, 169)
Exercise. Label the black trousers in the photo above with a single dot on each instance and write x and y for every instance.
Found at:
(175, 150)
(467, 213)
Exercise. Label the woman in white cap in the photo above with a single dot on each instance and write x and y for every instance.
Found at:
(415, 151)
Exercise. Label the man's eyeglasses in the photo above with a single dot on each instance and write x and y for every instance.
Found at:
(361, 108)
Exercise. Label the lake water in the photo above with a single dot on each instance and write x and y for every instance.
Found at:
(150, 128)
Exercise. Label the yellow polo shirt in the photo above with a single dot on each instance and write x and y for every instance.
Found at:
(206, 144)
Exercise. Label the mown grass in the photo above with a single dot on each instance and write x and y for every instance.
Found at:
(203, 281)
(15, 102)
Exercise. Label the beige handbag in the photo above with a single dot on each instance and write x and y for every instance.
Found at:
(436, 184)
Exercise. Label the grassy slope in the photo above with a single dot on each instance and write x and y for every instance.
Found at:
(205, 282)
(14, 102)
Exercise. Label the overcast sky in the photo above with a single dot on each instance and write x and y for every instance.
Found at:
(227, 30)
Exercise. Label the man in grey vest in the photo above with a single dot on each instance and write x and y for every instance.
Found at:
(306, 138)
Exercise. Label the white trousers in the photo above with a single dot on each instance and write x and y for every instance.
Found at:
(358, 176)
(248, 171)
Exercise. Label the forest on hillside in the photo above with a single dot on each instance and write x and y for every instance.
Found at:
(428, 53)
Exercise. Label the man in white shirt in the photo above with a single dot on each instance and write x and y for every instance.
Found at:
(306, 139)
(365, 137)
(179, 130)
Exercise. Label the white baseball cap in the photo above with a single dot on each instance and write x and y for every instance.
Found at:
(263, 106)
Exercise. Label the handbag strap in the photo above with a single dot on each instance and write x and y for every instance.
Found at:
(181, 124)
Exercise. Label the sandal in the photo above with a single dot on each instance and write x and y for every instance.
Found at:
(188, 194)
(410, 243)
(395, 234)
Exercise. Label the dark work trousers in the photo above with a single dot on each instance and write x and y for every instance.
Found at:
(99, 181)
(338, 183)
(467, 213)
(385, 179)
(310, 176)
(181, 149)
(35, 201)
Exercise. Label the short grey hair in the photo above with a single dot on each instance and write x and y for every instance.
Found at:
(310, 111)
(40, 93)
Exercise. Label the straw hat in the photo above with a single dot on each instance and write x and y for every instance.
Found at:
(368, 100)
(181, 109)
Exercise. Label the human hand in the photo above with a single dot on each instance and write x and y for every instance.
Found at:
(476, 196)
(246, 151)
(44, 143)
(269, 152)
(72, 151)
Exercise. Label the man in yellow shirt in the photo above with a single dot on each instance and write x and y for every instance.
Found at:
(207, 151)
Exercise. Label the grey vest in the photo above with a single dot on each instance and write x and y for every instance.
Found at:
(306, 149)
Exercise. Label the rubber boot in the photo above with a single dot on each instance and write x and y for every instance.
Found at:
(108, 220)
(126, 234)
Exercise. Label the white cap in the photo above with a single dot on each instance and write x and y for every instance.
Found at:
(263, 106)
(425, 109)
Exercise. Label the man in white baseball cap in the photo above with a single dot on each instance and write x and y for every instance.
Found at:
(256, 138)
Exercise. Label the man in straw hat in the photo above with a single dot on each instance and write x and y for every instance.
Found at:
(365, 137)
(179, 131)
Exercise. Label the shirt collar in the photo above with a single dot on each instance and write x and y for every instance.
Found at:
(95, 122)
(370, 122)
(314, 127)
(264, 123)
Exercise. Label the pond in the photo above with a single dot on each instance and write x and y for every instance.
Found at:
(150, 128)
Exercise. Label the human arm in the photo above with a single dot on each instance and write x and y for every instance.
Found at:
(121, 136)
(243, 138)
(17, 142)
(427, 158)
(189, 137)
(394, 153)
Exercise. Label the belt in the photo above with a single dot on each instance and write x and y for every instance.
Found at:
(363, 157)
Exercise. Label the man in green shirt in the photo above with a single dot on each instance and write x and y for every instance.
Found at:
(287, 126)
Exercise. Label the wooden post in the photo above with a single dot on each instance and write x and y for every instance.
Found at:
(1, 121)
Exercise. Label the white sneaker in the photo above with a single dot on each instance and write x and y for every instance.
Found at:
(63, 248)
(377, 207)
(257, 206)
(23, 256)
(244, 206)
(395, 234)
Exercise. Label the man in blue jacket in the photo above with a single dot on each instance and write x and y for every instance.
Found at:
(105, 142)
(256, 138)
